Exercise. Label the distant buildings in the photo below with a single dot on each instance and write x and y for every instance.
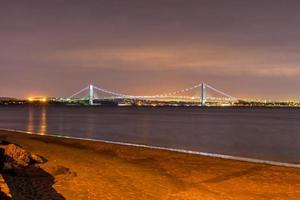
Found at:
(5, 101)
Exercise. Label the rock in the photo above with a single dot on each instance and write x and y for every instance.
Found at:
(35, 158)
(7, 166)
(17, 155)
(4, 190)
(13, 157)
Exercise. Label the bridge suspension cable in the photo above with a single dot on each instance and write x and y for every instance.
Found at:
(220, 92)
(163, 95)
(80, 91)
(113, 93)
(148, 96)
(178, 91)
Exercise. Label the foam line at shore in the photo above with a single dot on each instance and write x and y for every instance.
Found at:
(215, 155)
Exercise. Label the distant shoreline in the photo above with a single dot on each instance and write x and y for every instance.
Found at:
(149, 106)
(147, 103)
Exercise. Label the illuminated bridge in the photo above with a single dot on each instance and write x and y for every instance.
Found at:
(199, 94)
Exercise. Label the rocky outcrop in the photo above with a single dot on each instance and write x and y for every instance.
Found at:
(13, 156)
(4, 190)
(16, 155)
(23, 177)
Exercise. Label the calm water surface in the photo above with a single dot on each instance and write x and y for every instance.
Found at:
(262, 133)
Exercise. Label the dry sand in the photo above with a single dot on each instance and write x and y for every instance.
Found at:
(79, 169)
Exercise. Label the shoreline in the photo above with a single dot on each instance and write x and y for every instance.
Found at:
(213, 155)
(81, 169)
(157, 106)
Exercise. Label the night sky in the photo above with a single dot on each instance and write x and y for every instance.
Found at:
(249, 49)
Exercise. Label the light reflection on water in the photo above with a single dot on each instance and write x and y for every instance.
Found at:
(37, 120)
(43, 121)
(30, 123)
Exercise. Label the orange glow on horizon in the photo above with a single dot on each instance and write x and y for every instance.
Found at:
(38, 99)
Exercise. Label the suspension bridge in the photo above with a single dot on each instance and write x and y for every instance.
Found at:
(199, 94)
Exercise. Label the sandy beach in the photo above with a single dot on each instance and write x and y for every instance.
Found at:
(77, 169)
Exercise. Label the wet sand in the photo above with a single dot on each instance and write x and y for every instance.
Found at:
(77, 169)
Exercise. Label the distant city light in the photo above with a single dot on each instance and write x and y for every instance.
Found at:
(37, 99)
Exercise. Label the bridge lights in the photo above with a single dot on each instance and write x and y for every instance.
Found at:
(203, 94)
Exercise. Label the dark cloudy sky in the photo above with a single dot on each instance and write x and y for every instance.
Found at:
(55, 47)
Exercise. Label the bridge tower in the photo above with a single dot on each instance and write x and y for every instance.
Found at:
(203, 94)
(91, 94)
